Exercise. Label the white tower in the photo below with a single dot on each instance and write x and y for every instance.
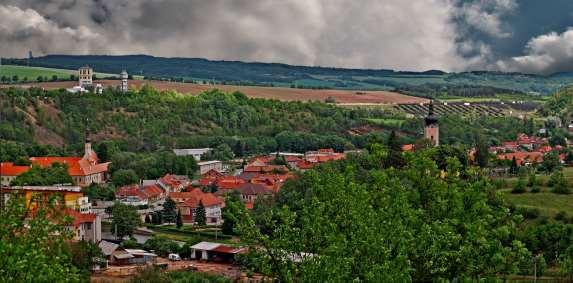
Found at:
(85, 76)
(123, 77)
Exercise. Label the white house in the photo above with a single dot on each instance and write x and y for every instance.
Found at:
(207, 166)
(195, 152)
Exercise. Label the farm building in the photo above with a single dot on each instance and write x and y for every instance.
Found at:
(215, 252)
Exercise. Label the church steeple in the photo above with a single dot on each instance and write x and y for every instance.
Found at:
(89, 154)
(432, 130)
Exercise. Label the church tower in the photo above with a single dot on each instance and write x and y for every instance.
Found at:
(124, 76)
(89, 153)
(432, 130)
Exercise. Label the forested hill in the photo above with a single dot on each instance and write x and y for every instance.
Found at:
(428, 83)
(147, 120)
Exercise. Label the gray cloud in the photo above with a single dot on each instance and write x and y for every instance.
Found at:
(405, 35)
(546, 54)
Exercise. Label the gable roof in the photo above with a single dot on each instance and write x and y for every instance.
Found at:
(253, 189)
(9, 169)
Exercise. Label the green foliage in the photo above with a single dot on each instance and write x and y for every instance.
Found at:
(124, 220)
(44, 176)
(35, 249)
(221, 152)
(200, 215)
(155, 275)
(169, 213)
(364, 223)
(100, 192)
(232, 211)
(482, 152)
(161, 245)
(551, 162)
(85, 255)
(519, 187)
(179, 221)
(153, 165)
(123, 177)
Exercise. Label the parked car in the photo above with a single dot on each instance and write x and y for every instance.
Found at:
(174, 257)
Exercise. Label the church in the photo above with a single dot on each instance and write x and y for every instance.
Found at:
(432, 129)
(85, 170)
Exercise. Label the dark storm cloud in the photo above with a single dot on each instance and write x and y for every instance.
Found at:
(409, 35)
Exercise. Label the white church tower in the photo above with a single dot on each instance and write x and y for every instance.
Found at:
(124, 76)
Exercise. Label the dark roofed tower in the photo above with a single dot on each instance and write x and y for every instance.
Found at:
(432, 130)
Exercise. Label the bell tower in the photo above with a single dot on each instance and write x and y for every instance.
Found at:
(432, 129)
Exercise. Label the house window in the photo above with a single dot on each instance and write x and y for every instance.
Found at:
(88, 226)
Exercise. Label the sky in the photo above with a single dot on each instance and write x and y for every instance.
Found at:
(528, 36)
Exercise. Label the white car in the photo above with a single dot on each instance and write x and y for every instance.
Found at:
(174, 257)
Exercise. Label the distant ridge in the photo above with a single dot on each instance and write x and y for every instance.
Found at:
(278, 74)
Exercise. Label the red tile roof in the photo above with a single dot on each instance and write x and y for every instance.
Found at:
(79, 217)
(9, 169)
(192, 199)
(77, 166)
(523, 157)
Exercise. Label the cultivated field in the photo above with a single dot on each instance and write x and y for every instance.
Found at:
(280, 93)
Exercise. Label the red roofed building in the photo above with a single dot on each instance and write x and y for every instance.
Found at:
(250, 192)
(265, 169)
(85, 226)
(188, 202)
(84, 170)
(140, 195)
(229, 182)
(9, 172)
(523, 158)
(173, 183)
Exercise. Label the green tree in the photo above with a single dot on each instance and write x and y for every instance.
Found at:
(169, 212)
(412, 214)
(232, 213)
(15, 78)
(124, 220)
(482, 152)
(551, 161)
(86, 255)
(179, 221)
(44, 176)
(124, 177)
(394, 158)
(514, 168)
(519, 187)
(200, 215)
(34, 249)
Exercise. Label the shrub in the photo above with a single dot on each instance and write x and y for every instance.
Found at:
(528, 213)
(535, 189)
(519, 187)
(561, 216)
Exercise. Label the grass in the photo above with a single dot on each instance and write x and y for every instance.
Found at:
(34, 72)
(388, 122)
(547, 202)
(185, 234)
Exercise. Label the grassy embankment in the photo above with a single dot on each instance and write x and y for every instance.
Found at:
(548, 203)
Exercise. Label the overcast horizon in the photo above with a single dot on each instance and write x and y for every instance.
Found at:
(450, 35)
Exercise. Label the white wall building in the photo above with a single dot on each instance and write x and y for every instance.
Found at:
(85, 76)
(206, 166)
(195, 152)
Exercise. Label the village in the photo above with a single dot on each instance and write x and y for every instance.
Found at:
(177, 205)
(198, 200)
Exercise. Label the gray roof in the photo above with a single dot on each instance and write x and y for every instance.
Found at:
(107, 247)
(190, 151)
(205, 246)
(253, 189)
